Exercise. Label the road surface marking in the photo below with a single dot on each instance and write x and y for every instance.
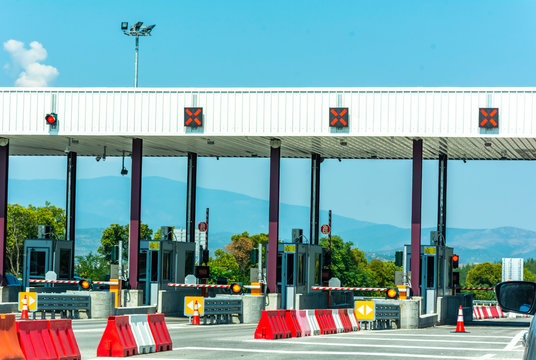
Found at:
(338, 353)
(424, 340)
(511, 345)
(378, 345)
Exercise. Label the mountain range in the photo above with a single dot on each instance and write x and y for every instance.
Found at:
(105, 200)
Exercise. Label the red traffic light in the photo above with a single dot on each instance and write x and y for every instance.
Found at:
(84, 284)
(236, 288)
(51, 118)
(392, 293)
(455, 259)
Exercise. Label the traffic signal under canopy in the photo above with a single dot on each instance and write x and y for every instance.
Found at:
(84, 284)
(455, 259)
(51, 119)
(236, 288)
(392, 293)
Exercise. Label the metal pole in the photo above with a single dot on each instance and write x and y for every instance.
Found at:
(206, 242)
(259, 275)
(136, 62)
(120, 267)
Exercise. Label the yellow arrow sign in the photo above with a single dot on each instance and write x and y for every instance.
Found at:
(31, 300)
(189, 305)
(365, 310)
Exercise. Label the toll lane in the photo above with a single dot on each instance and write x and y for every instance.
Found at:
(484, 341)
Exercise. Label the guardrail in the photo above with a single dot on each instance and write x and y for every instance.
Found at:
(220, 310)
(68, 305)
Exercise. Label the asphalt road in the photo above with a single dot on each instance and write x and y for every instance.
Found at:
(498, 339)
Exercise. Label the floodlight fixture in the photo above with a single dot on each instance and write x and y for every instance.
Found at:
(136, 30)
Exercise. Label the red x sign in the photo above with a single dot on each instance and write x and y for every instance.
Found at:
(193, 117)
(338, 117)
(488, 118)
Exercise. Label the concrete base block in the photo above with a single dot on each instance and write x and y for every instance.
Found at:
(9, 307)
(9, 294)
(131, 298)
(252, 307)
(409, 314)
(135, 310)
(171, 302)
(102, 304)
(273, 302)
(317, 300)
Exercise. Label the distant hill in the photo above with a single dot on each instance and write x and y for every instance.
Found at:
(105, 200)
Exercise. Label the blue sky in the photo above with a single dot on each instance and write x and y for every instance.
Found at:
(298, 43)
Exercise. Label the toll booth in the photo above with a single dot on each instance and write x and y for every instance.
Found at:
(46, 254)
(162, 262)
(299, 266)
(436, 273)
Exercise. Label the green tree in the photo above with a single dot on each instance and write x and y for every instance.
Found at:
(484, 275)
(115, 233)
(92, 266)
(345, 263)
(22, 224)
(224, 265)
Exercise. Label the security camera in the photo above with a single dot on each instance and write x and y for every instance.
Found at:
(124, 171)
(98, 158)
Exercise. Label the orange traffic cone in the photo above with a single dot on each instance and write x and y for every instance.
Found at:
(459, 325)
(195, 319)
(24, 314)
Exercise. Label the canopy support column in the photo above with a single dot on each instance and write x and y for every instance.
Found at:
(191, 187)
(4, 162)
(70, 205)
(416, 203)
(273, 217)
(135, 212)
(315, 198)
(442, 199)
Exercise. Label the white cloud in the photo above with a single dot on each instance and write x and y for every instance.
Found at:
(29, 61)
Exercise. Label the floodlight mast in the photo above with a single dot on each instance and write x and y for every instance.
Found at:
(136, 30)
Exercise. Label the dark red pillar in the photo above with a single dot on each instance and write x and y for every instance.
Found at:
(135, 210)
(273, 224)
(416, 201)
(4, 157)
(71, 205)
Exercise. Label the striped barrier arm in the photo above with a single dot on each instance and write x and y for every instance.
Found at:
(200, 286)
(70, 282)
(347, 288)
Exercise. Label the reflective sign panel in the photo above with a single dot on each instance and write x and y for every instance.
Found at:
(193, 117)
(488, 118)
(338, 117)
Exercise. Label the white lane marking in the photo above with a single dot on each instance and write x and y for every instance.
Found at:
(487, 356)
(375, 345)
(377, 333)
(338, 353)
(511, 345)
(424, 340)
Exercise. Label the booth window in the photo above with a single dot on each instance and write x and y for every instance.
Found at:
(301, 279)
(154, 266)
(430, 267)
(65, 264)
(318, 270)
(166, 266)
(142, 265)
(278, 267)
(290, 269)
(38, 262)
(189, 262)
